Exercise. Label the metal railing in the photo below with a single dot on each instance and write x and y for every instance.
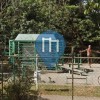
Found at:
(70, 75)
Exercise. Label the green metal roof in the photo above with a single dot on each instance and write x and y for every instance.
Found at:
(26, 37)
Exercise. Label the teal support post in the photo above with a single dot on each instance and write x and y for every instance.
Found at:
(14, 72)
(79, 61)
(18, 49)
(23, 71)
(74, 58)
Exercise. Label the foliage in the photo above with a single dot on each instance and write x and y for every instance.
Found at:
(93, 11)
(70, 18)
(20, 90)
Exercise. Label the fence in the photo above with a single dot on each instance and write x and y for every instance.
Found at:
(72, 78)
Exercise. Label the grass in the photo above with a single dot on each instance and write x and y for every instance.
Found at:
(66, 90)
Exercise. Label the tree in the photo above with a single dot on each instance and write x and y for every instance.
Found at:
(92, 12)
(68, 18)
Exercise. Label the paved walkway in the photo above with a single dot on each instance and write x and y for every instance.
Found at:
(57, 97)
(61, 78)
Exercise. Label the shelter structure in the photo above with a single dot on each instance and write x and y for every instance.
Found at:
(22, 52)
(22, 49)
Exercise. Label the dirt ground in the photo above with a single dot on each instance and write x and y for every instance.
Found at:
(57, 97)
(61, 79)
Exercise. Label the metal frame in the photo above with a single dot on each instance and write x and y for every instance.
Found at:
(15, 49)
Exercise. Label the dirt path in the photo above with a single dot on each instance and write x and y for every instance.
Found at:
(57, 97)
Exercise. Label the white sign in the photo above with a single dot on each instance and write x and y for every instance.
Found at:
(50, 43)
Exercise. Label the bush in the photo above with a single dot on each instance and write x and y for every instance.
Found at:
(20, 91)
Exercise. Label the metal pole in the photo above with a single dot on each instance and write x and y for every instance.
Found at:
(14, 69)
(72, 73)
(78, 62)
(49, 4)
(2, 77)
(36, 72)
(2, 70)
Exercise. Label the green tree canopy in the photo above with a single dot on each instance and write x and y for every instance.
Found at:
(71, 18)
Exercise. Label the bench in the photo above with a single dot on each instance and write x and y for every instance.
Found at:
(70, 64)
(86, 69)
(85, 78)
(76, 71)
(80, 72)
